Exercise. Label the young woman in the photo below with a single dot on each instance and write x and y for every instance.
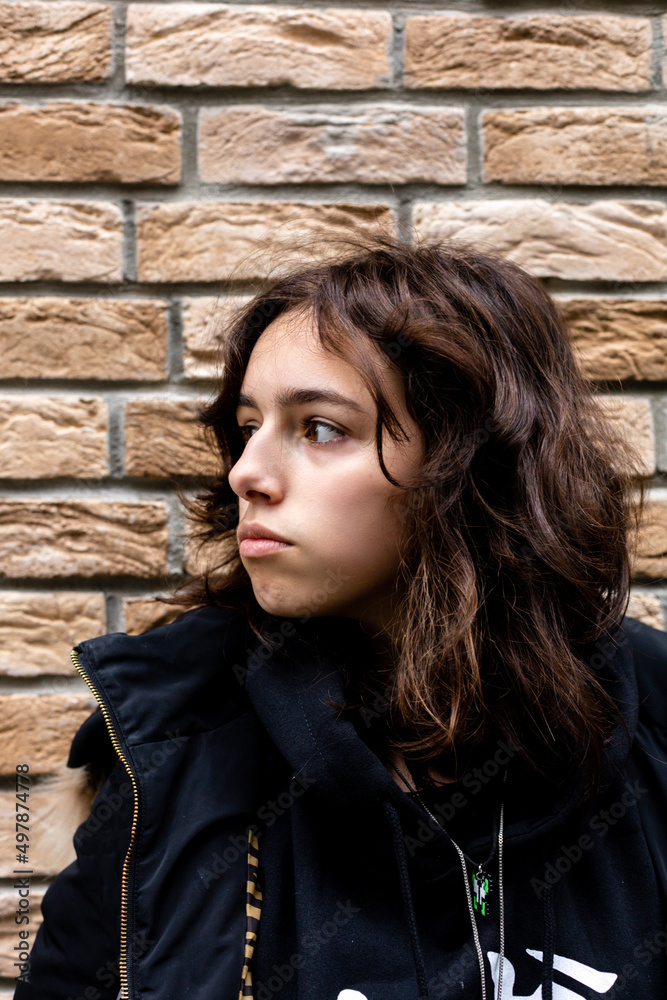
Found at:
(404, 744)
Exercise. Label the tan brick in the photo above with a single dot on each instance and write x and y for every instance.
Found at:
(213, 241)
(109, 143)
(143, 613)
(38, 630)
(7, 839)
(632, 418)
(46, 436)
(378, 144)
(8, 862)
(43, 861)
(204, 322)
(162, 438)
(82, 538)
(59, 803)
(646, 608)
(651, 557)
(60, 241)
(38, 729)
(216, 45)
(542, 51)
(54, 42)
(576, 146)
(661, 423)
(8, 928)
(607, 240)
(46, 337)
(618, 338)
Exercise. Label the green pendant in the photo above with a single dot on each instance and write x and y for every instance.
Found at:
(481, 890)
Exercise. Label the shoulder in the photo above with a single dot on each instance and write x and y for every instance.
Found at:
(183, 676)
(176, 677)
(649, 654)
(197, 637)
(199, 648)
(646, 641)
(647, 762)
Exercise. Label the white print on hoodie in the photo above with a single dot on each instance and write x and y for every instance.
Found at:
(601, 982)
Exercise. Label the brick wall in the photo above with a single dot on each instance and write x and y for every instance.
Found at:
(146, 152)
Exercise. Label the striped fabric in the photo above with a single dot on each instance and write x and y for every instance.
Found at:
(253, 911)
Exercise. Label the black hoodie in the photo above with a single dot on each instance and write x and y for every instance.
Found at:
(362, 895)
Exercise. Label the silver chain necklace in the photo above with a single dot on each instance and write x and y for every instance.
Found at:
(466, 882)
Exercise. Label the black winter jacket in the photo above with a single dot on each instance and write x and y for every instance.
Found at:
(362, 898)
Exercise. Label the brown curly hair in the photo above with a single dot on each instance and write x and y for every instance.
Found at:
(520, 516)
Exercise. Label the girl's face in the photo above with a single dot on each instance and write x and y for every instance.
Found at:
(310, 473)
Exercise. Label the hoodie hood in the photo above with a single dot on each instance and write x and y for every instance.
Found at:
(291, 692)
(374, 838)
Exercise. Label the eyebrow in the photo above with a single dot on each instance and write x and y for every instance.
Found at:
(297, 397)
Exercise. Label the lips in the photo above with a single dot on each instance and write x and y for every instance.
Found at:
(257, 540)
(250, 547)
(256, 530)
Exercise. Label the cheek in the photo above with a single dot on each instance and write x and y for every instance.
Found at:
(350, 548)
(356, 519)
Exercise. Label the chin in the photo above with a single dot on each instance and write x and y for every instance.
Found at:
(281, 607)
(287, 607)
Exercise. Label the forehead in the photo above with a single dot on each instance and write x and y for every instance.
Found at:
(289, 351)
(288, 365)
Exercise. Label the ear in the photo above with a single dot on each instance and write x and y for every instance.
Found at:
(59, 803)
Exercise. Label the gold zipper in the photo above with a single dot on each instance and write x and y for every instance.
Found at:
(123, 885)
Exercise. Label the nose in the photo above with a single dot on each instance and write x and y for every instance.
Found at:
(257, 473)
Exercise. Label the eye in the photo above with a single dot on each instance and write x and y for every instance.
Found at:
(325, 433)
(245, 432)
(329, 429)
